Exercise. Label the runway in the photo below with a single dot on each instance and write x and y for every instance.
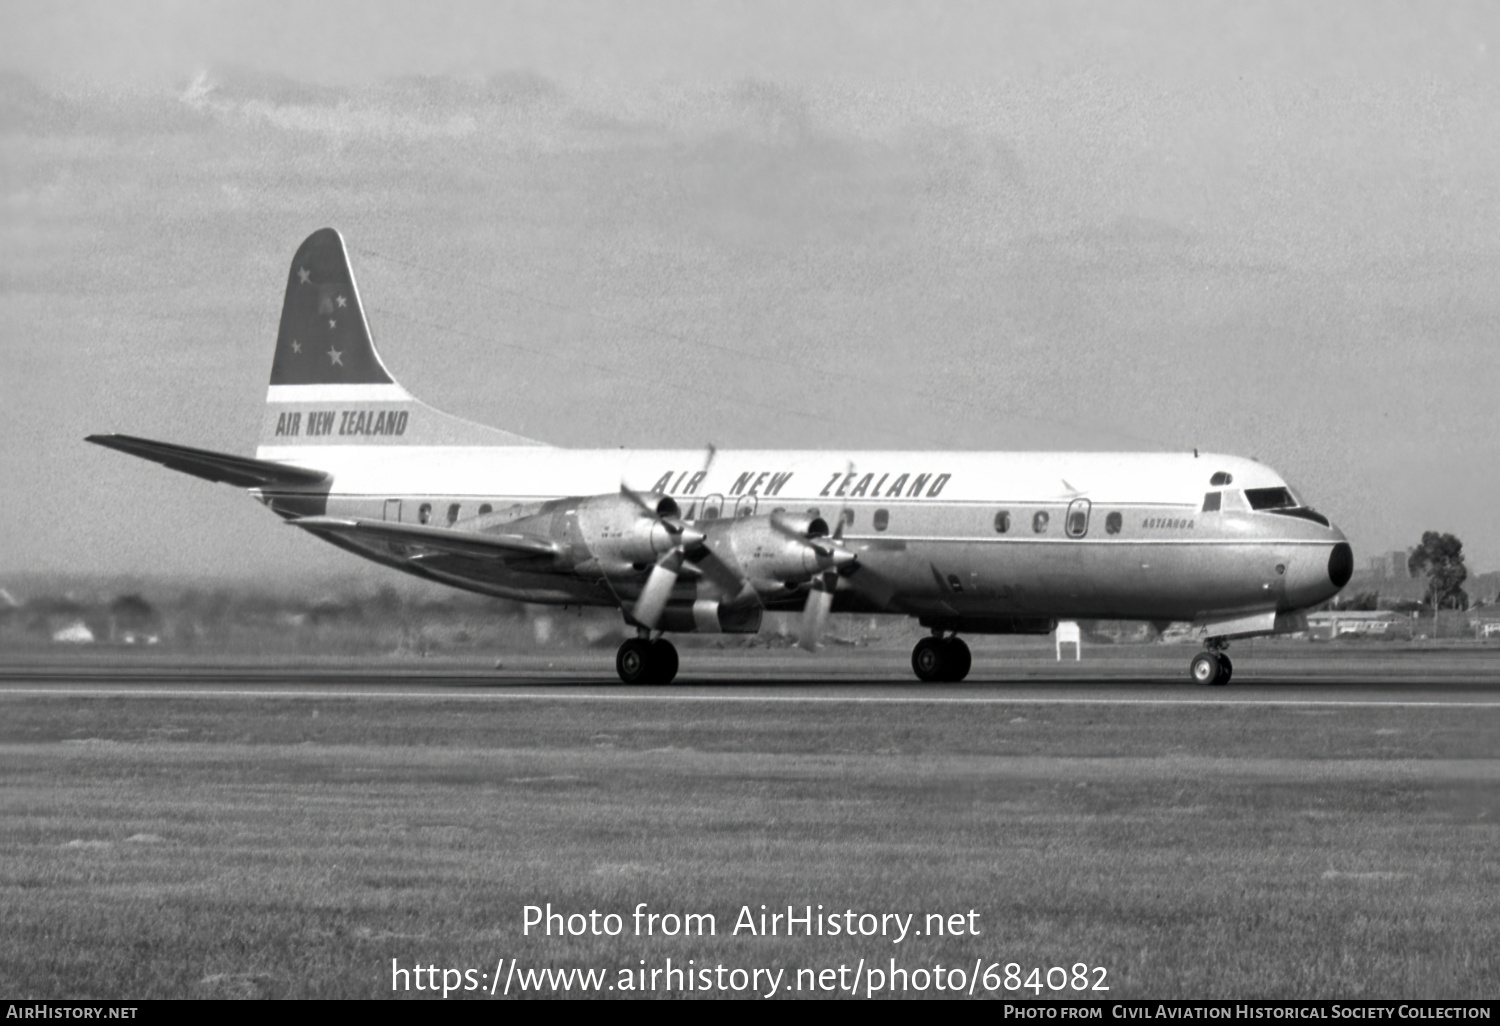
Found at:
(204, 689)
(1460, 680)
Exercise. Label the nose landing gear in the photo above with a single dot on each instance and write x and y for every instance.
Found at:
(646, 661)
(939, 659)
(1213, 665)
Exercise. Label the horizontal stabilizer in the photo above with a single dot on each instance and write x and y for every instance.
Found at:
(240, 471)
(439, 539)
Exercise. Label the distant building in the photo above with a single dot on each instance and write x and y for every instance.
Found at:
(1380, 623)
(75, 633)
(1392, 564)
(1486, 629)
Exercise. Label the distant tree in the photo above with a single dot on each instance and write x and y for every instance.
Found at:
(1441, 558)
(132, 613)
(1365, 600)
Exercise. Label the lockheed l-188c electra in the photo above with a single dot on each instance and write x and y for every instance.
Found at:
(705, 541)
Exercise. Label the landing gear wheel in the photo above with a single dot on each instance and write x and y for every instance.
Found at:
(646, 662)
(664, 658)
(633, 661)
(1207, 669)
(1226, 668)
(956, 660)
(929, 659)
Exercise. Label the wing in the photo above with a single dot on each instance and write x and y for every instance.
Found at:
(433, 540)
(240, 471)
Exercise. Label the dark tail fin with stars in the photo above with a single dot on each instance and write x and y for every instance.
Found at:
(328, 383)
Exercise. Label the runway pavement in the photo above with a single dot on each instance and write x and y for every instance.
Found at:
(1465, 679)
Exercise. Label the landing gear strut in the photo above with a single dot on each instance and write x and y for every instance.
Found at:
(644, 661)
(1212, 666)
(942, 659)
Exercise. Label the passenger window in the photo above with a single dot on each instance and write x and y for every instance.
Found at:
(848, 518)
(1211, 501)
(711, 507)
(453, 514)
(955, 583)
(1078, 518)
(882, 519)
(1002, 522)
(424, 513)
(745, 507)
(486, 508)
(1221, 478)
(1113, 523)
(1039, 522)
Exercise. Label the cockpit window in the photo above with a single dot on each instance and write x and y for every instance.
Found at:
(1220, 478)
(1211, 501)
(1270, 498)
(1281, 501)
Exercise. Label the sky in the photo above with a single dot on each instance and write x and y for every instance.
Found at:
(1264, 229)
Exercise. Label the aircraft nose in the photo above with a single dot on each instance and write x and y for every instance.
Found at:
(1319, 575)
(1340, 564)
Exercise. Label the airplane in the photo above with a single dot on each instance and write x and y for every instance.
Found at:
(684, 541)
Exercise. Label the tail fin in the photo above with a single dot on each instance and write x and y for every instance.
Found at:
(328, 383)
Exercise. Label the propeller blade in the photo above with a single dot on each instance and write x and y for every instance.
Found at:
(875, 589)
(639, 499)
(725, 577)
(815, 613)
(653, 600)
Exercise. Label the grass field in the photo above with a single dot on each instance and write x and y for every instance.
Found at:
(260, 847)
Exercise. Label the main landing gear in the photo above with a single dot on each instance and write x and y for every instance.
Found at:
(1212, 666)
(942, 659)
(646, 661)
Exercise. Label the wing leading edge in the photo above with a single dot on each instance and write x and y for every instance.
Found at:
(436, 540)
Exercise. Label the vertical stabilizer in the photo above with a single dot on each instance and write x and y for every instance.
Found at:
(328, 383)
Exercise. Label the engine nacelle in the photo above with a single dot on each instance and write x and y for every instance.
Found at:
(609, 532)
(761, 551)
(617, 531)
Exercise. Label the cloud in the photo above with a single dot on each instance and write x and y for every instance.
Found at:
(397, 112)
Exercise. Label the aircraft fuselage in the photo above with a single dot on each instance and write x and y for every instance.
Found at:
(951, 535)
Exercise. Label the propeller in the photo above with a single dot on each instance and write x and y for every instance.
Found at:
(683, 538)
(815, 612)
(833, 559)
(658, 588)
(686, 541)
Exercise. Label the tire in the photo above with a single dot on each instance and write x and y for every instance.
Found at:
(1205, 669)
(634, 662)
(929, 660)
(957, 659)
(1226, 669)
(664, 660)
